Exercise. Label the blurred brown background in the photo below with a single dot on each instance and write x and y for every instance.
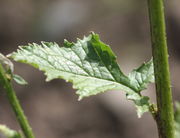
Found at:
(52, 108)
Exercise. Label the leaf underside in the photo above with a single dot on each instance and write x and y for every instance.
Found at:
(90, 65)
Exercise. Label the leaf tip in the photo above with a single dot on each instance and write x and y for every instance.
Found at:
(67, 43)
(92, 33)
(80, 98)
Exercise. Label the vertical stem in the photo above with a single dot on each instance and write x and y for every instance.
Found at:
(165, 117)
(15, 104)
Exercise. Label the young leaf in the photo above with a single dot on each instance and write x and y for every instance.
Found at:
(89, 64)
(9, 133)
(18, 79)
(9, 70)
(7, 65)
(177, 120)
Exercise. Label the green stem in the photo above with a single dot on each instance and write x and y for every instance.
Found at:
(165, 115)
(15, 104)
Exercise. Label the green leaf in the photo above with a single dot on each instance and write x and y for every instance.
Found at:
(9, 133)
(141, 102)
(89, 64)
(18, 79)
(177, 120)
(141, 76)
